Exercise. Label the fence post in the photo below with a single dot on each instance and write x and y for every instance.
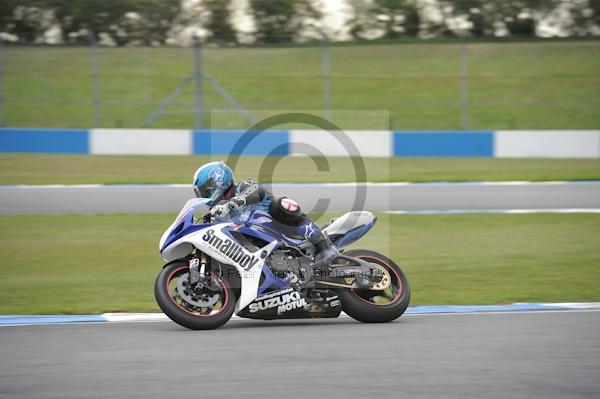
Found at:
(45, 79)
(464, 85)
(535, 90)
(198, 95)
(326, 77)
(96, 100)
(1, 83)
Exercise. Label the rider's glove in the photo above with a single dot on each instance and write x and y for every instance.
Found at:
(223, 209)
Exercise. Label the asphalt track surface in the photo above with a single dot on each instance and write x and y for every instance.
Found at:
(336, 197)
(502, 355)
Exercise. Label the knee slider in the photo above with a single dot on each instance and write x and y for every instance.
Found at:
(286, 211)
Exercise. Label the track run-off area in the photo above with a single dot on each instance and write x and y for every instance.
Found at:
(546, 354)
(407, 197)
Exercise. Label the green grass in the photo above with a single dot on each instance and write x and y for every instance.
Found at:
(72, 169)
(535, 85)
(81, 264)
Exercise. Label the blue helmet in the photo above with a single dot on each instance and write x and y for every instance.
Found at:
(212, 180)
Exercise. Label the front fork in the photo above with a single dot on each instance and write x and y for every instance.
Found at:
(201, 276)
(197, 268)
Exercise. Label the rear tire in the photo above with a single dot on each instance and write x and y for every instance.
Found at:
(356, 303)
(187, 317)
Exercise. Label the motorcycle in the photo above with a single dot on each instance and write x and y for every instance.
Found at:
(258, 268)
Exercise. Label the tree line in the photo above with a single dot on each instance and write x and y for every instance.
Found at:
(156, 22)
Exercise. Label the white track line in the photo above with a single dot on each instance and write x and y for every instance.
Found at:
(505, 211)
(418, 310)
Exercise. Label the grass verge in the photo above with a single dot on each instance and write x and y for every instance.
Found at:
(89, 264)
(79, 169)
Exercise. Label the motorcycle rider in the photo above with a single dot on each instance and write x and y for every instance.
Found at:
(215, 180)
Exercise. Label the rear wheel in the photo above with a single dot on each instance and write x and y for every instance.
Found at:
(194, 307)
(377, 306)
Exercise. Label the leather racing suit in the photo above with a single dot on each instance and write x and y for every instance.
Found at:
(249, 195)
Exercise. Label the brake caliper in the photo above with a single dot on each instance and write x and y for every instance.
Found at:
(194, 272)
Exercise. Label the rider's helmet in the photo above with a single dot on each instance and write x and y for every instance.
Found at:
(212, 180)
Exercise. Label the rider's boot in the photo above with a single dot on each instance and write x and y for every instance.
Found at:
(325, 253)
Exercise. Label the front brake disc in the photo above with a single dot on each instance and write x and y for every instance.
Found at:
(183, 290)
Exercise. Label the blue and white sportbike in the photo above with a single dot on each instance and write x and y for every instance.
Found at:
(261, 269)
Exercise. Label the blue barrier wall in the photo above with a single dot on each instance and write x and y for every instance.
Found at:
(444, 144)
(238, 142)
(66, 141)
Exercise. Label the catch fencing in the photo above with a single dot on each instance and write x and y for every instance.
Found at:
(449, 85)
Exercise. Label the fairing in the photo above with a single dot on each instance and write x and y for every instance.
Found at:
(218, 242)
(350, 227)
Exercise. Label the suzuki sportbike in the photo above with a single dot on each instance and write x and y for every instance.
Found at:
(258, 268)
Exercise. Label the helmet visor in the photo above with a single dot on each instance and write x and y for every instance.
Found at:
(209, 190)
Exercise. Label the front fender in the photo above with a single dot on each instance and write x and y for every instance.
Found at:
(182, 260)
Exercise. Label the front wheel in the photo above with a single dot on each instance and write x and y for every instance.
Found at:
(377, 306)
(193, 307)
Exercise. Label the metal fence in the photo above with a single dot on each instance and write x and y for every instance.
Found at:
(423, 86)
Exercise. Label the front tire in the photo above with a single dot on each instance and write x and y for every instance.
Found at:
(369, 306)
(178, 308)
